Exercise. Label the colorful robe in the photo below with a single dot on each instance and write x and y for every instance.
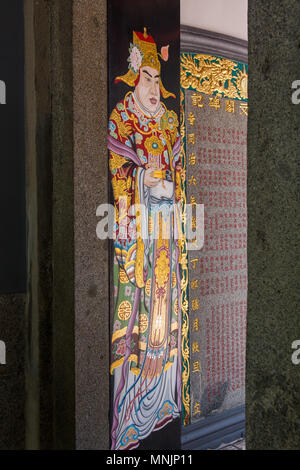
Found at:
(147, 312)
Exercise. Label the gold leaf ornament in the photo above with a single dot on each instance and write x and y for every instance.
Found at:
(119, 187)
(162, 269)
(116, 161)
(213, 75)
(123, 128)
(242, 83)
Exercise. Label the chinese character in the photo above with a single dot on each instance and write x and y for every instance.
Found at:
(194, 284)
(194, 263)
(192, 159)
(196, 324)
(215, 102)
(244, 108)
(195, 347)
(196, 366)
(192, 139)
(191, 119)
(197, 408)
(194, 223)
(195, 304)
(197, 100)
(230, 106)
(192, 180)
(193, 201)
(195, 244)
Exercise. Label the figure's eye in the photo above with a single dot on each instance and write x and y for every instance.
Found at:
(148, 79)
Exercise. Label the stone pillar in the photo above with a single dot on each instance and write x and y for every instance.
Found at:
(50, 372)
(272, 381)
(91, 182)
(67, 311)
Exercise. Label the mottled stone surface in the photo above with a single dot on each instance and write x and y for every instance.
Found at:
(273, 382)
(12, 381)
(63, 225)
(91, 254)
(50, 383)
(38, 364)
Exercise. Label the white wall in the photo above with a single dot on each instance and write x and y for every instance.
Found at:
(221, 16)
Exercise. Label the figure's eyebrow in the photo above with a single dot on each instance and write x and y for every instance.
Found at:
(156, 76)
(145, 71)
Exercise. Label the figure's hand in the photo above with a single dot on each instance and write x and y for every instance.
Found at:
(149, 180)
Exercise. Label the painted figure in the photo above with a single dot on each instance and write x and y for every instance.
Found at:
(144, 146)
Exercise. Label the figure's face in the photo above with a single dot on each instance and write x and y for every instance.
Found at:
(147, 89)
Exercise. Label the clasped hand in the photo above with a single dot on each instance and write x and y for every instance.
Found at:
(149, 180)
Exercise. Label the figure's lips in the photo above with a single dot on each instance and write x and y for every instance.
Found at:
(153, 101)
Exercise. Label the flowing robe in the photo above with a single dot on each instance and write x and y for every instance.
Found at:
(147, 312)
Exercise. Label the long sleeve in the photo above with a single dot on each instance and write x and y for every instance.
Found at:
(125, 169)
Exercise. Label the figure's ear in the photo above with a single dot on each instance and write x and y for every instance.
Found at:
(164, 53)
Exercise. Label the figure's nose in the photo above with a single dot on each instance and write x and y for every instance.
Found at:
(153, 89)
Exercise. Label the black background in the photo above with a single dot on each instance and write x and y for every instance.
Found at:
(12, 154)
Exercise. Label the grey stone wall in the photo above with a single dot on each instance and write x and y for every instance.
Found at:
(91, 182)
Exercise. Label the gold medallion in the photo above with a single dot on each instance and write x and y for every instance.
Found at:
(154, 145)
(143, 323)
(124, 311)
(123, 276)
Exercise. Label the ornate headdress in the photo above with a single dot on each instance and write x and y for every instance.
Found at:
(143, 52)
